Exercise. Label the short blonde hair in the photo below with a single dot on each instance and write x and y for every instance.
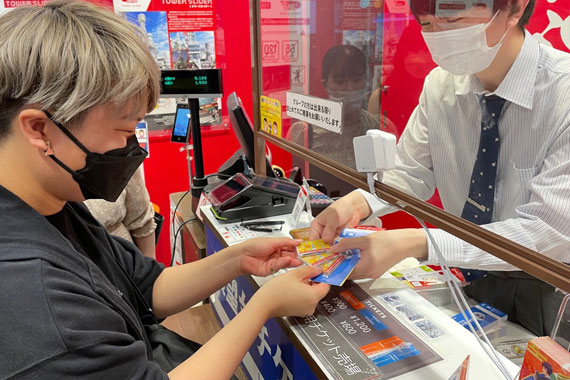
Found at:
(69, 56)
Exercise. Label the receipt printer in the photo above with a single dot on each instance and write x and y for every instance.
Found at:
(250, 197)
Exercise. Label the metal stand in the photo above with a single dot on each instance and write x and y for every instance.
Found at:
(198, 183)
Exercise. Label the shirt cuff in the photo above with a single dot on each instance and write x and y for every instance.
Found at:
(450, 246)
(377, 207)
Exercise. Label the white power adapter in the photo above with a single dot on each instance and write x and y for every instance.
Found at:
(375, 152)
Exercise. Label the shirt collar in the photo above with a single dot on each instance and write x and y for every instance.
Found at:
(518, 85)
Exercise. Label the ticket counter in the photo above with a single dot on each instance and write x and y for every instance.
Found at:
(351, 325)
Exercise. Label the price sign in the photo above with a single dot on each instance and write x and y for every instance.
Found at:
(270, 50)
(290, 49)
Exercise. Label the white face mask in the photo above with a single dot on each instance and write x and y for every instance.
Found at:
(463, 51)
(352, 101)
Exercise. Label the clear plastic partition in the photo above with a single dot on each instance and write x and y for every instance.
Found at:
(363, 63)
(327, 63)
(329, 72)
(480, 136)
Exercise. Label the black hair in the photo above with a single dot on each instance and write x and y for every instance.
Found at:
(427, 7)
(528, 11)
(547, 367)
(12, 106)
(344, 61)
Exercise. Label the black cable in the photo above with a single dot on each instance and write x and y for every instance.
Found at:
(176, 238)
(189, 220)
(186, 193)
(176, 209)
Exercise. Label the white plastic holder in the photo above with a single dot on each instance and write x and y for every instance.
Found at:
(375, 152)
(302, 203)
(188, 148)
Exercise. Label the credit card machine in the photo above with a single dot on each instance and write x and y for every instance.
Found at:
(251, 197)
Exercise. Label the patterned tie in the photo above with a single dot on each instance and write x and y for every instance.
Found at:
(479, 204)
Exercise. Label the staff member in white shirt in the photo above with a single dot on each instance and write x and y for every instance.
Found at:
(484, 54)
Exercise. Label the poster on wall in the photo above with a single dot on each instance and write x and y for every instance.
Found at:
(359, 15)
(270, 110)
(6, 5)
(141, 132)
(285, 32)
(153, 27)
(361, 25)
(180, 34)
(193, 50)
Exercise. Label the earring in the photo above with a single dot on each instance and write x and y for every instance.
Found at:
(48, 149)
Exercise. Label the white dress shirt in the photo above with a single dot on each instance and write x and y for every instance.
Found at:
(532, 195)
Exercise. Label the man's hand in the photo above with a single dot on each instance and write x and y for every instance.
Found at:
(264, 256)
(344, 213)
(382, 250)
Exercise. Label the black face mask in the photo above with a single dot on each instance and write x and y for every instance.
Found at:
(105, 175)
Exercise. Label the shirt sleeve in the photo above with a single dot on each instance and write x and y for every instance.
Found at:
(541, 224)
(413, 172)
(143, 270)
(377, 207)
(139, 215)
(61, 326)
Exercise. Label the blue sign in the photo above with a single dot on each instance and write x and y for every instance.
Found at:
(272, 355)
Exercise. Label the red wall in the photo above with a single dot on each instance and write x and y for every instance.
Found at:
(166, 170)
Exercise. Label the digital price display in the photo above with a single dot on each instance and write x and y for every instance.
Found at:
(191, 83)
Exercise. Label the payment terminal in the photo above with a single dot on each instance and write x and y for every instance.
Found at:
(251, 197)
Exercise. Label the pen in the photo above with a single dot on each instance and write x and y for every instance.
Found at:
(263, 223)
(261, 229)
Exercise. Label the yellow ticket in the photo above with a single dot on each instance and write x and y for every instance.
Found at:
(330, 265)
(312, 246)
(317, 258)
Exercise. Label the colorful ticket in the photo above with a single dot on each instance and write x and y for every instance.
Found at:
(336, 268)
(333, 263)
(311, 247)
(340, 273)
(318, 258)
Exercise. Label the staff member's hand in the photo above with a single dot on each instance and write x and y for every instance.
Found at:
(343, 213)
(264, 256)
(382, 250)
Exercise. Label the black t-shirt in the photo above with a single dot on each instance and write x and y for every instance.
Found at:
(90, 238)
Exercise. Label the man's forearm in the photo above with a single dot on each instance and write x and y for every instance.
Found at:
(177, 288)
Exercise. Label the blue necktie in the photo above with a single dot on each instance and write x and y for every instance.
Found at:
(481, 198)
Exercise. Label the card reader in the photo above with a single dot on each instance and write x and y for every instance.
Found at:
(251, 197)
